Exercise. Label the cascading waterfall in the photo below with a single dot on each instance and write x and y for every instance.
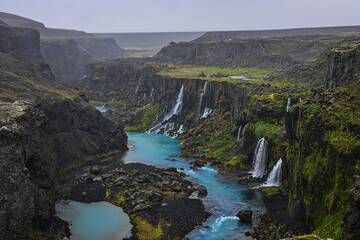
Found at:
(137, 89)
(239, 132)
(259, 161)
(274, 179)
(176, 110)
(144, 95)
(152, 92)
(288, 104)
(207, 112)
(202, 96)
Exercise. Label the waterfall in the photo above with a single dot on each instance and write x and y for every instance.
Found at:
(207, 112)
(202, 96)
(274, 179)
(176, 110)
(152, 92)
(288, 104)
(178, 105)
(239, 132)
(259, 161)
(137, 89)
(144, 95)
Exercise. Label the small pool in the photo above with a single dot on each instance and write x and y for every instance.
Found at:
(94, 221)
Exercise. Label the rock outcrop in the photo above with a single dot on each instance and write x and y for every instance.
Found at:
(261, 53)
(55, 128)
(343, 67)
(27, 170)
(351, 228)
(24, 45)
(67, 51)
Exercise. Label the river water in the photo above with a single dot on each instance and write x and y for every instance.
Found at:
(225, 197)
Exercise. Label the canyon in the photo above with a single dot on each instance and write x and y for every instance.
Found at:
(271, 118)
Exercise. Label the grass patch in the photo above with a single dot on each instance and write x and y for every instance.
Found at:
(215, 73)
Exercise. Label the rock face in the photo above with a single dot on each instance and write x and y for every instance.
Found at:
(24, 45)
(67, 51)
(351, 228)
(80, 132)
(343, 67)
(235, 35)
(261, 53)
(27, 170)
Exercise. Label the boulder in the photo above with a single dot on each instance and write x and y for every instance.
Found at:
(202, 191)
(140, 207)
(97, 179)
(95, 170)
(245, 215)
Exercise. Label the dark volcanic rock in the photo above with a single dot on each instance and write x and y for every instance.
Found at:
(343, 67)
(27, 170)
(351, 227)
(66, 51)
(245, 216)
(24, 45)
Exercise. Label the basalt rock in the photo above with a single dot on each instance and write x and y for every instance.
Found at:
(27, 170)
(351, 227)
(245, 216)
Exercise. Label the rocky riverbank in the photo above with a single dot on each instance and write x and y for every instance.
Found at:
(161, 203)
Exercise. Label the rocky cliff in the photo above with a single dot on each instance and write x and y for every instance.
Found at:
(24, 45)
(72, 49)
(262, 53)
(343, 67)
(54, 130)
(27, 167)
(295, 32)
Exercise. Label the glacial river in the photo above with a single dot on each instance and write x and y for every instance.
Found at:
(225, 197)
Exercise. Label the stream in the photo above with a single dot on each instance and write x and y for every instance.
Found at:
(225, 197)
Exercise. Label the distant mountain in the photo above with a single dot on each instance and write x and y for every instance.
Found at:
(150, 40)
(67, 51)
(294, 32)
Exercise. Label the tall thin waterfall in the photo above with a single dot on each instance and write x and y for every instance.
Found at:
(137, 89)
(274, 179)
(176, 110)
(239, 132)
(202, 96)
(178, 105)
(259, 161)
(288, 104)
(152, 92)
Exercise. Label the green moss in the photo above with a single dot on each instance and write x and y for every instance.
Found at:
(115, 198)
(331, 225)
(270, 190)
(272, 132)
(147, 231)
(35, 234)
(148, 118)
(344, 142)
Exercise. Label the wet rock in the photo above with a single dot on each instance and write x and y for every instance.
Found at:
(245, 215)
(171, 169)
(202, 191)
(95, 170)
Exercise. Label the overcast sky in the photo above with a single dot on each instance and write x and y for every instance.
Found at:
(185, 15)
